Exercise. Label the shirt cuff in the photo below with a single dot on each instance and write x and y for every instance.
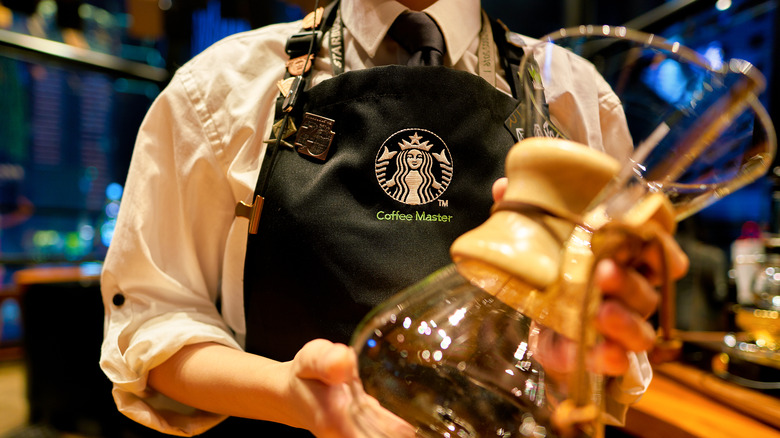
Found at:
(164, 414)
(627, 389)
(155, 342)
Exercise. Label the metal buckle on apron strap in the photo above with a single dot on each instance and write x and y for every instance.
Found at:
(251, 212)
(292, 93)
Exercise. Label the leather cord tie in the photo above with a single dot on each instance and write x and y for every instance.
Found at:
(530, 208)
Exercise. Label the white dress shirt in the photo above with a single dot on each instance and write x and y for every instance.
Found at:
(178, 248)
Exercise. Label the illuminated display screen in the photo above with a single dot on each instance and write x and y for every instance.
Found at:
(65, 144)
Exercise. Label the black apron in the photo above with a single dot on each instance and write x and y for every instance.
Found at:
(336, 238)
(410, 168)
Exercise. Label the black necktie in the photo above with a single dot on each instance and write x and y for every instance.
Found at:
(420, 36)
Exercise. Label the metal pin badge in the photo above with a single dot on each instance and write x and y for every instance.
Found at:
(315, 136)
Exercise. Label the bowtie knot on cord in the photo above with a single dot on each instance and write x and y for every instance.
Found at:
(420, 36)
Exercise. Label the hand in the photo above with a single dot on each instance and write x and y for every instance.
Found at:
(325, 379)
(629, 298)
(318, 390)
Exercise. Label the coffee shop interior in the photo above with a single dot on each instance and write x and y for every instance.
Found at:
(76, 78)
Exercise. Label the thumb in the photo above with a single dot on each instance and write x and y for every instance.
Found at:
(325, 361)
(499, 188)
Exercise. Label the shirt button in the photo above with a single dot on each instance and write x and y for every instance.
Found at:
(118, 300)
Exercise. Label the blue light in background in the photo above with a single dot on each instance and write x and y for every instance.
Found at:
(89, 269)
(112, 209)
(208, 26)
(10, 321)
(114, 191)
(86, 232)
(107, 232)
(713, 52)
(667, 80)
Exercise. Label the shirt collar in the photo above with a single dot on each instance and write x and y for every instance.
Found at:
(369, 20)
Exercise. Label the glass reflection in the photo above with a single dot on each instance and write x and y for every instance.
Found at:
(464, 362)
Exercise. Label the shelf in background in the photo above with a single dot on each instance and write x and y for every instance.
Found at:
(34, 46)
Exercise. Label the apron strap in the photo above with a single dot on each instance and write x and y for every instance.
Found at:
(531, 114)
(511, 51)
(302, 48)
(486, 62)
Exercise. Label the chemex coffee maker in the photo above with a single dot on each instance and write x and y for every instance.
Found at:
(461, 353)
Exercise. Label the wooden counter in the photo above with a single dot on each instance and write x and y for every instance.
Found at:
(684, 402)
(56, 274)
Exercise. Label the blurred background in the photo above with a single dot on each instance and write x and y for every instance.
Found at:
(76, 78)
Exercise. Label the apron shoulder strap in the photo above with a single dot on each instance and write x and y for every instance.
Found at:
(300, 44)
(510, 50)
(302, 47)
(536, 115)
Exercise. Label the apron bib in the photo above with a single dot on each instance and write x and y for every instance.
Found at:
(410, 168)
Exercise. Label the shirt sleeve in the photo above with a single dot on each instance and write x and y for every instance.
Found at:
(584, 106)
(159, 282)
(173, 275)
(623, 391)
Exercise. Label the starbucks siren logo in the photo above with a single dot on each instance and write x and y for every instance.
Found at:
(414, 166)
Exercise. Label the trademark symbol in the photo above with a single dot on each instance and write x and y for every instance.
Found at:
(443, 202)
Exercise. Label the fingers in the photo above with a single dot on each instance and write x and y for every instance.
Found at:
(556, 353)
(678, 260)
(332, 399)
(372, 419)
(624, 327)
(608, 358)
(630, 295)
(663, 250)
(623, 330)
(323, 360)
(629, 299)
(627, 286)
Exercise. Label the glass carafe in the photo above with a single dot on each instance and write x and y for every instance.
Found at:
(495, 344)
(452, 355)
